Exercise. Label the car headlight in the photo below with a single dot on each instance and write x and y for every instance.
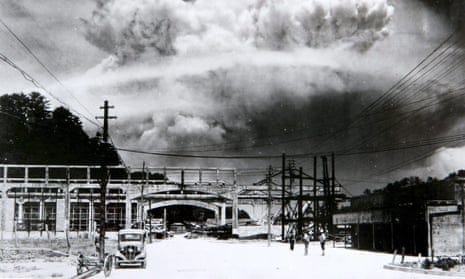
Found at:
(130, 250)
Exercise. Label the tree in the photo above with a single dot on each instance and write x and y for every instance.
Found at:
(32, 134)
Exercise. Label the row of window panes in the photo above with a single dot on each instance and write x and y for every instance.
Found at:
(79, 215)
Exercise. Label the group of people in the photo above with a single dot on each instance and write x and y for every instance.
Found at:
(306, 241)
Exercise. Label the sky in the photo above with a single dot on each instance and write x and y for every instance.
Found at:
(254, 78)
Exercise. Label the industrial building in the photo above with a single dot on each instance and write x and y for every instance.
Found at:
(59, 198)
(409, 215)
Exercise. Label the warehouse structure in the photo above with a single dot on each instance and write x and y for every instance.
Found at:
(59, 198)
(409, 215)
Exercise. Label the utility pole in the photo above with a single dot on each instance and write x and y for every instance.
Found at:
(333, 194)
(105, 118)
(67, 209)
(268, 181)
(300, 203)
(316, 221)
(142, 223)
(462, 210)
(283, 202)
(104, 178)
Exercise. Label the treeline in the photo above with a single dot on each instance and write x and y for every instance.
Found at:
(32, 133)
(411, 191)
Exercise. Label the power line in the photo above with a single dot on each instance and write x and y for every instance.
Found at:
(387, 129)
(23, 44)
(412, 113)
(390, 147)
(445, 140)
(401, 82)
(199, 156)
(271, 143)
(405, 78)
(29, 78)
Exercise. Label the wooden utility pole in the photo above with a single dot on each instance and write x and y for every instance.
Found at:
(300, 222)
(268, 181)
(327, 194)
(283, 201)
(462, 211)
(105, 118)
(142, 222)
(104, 178)
(332, 199)
(67, 209)
(316, 221)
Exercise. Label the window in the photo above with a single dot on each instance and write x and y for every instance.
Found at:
(116, 216)
(79, 216)
(50, 215)
(131, 237)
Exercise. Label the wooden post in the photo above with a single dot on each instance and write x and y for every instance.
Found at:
(268, 181)
(315, 200)
(394, 256)
(182, 181)
(103, 211)
(15, 220)
(373, 232)
(332, 195)
(283, 202)
(300, 203)
(235, 204)
(68, 245)
(392, 236)
(164, 220)
(150, 220)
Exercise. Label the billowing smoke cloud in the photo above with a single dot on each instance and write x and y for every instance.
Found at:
(259, 74)
(165, 27)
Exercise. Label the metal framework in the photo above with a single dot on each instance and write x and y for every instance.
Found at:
(306, 200)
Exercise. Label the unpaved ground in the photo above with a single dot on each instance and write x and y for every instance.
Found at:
(206, 258)
(40, 257)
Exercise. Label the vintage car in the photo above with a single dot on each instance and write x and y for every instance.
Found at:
(131, 248)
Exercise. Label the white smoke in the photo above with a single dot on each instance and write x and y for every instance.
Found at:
(167, 27)
(443, 162)
(204, 68)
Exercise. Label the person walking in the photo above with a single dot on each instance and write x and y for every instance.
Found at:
(322, 243)
(292, 240)
(306, 240)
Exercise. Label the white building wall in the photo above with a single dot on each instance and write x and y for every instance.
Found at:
(60, 218)
(9, 210)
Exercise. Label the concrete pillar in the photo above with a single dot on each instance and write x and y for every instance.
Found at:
(88, 176)
(60, 215)
(216, 217)
(2, 213)
(139, 211)
(235, 210)
(128, 208)
(41, 209)
(8, 212)
(223, 213)
(20, 211)
(89, 217)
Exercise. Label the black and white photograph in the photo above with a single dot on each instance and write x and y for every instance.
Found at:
(232, 139)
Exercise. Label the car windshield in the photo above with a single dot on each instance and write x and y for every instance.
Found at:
(131, 237)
